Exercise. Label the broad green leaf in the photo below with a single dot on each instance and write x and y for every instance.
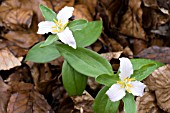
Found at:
(129, 103)
(89, 34)
(42, 54)
(102, 104)
(49, 40)
(107, 80)
(143, 68)
(48, 14)
(77, 25)
(85, 61)
(74, 82)
(139, 63)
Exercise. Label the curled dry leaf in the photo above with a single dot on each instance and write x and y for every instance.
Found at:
(42, 78)
(59, 4)
(8, 60)
(81, 12)
(22, 39)
(4, 96)
(83, 103)
(111, 55)
(150, 3)
(132, 21)
(159, 81)
(111, 43)
(17, 19)
(160, 54)
(91, 4)
(147, 104)
(25, 99)
(128, 52)
(139, 45)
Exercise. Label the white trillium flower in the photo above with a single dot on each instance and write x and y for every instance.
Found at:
(59, 26)
(118, 91)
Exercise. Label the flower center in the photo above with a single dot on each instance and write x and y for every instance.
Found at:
(126, 83)
(59, 27)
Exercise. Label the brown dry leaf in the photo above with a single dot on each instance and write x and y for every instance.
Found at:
(22, 39)
(25, 99)
(8, 60)
(22, 73)
(132, 21)
(147, 104)
(81, 12)
(17, 19)
(160, 54)
(159, 81)
(83, 103)
(112, 44)
(150, 3)
(4, 96)
(96, 46)
(18, 51)
(42, 78)
(139, 45)
(59, 4)
(91, 4)
(128, 52)
(111, 55)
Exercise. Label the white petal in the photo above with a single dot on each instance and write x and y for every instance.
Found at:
(45, 27)
(67, 37)
(65, 13)
(126, 68)
(138, 88)
(115, 92)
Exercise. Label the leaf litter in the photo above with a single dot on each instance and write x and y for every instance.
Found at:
(134, 28)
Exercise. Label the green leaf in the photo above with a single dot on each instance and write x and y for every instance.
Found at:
(102, 104)
(129, 103)
(89, 34)
(74, 82)
(107, 80)
(85, 61)
(48, 14)
(77, 24)
(42, 54)
(49, 40)
(139, 63)
(143, 68)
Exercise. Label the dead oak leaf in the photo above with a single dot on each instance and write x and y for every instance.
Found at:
(59, 4)
(27, 100)
(22, 39)
(147, 104)
(160, 54)
(4, 96)
(8, 60)
(81, 12)
(18, 18)
(159, 81)
(132, 21)
(83, 103)
(108, 56)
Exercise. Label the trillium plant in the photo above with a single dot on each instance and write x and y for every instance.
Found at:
(68, 39)
(59, 27)
(118, 91)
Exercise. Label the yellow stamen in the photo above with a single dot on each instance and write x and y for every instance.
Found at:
(59, 26)
(55, 31)
(129, 85)
(126, 84)
(54, 26)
